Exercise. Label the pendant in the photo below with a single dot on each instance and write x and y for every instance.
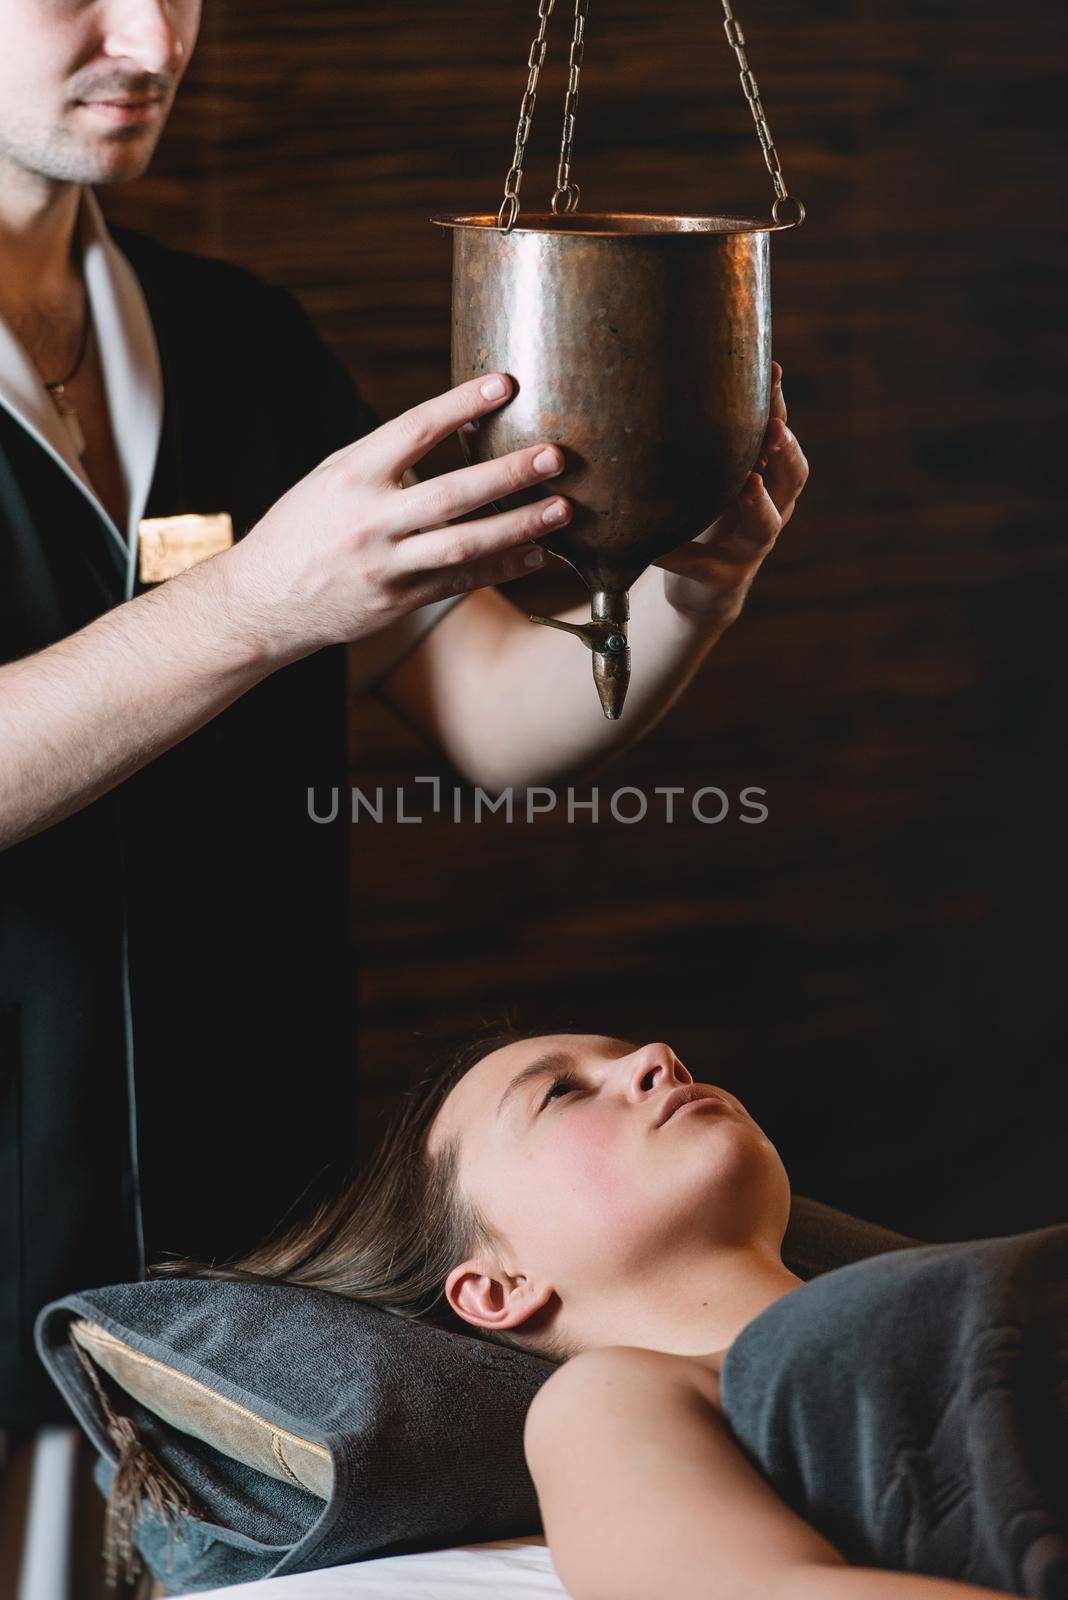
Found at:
(69, 416)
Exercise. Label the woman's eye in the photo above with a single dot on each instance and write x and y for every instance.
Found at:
(566, 1083)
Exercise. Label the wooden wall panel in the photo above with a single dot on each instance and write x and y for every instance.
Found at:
(878, 967)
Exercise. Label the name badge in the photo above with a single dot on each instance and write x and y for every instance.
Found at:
(169, 545)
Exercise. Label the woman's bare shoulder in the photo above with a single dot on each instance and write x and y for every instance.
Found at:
(641, 1483)
(630, 1378)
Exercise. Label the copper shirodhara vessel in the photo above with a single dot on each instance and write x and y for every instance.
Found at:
(641, 345)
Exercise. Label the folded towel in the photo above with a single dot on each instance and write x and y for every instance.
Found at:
(914, 1409)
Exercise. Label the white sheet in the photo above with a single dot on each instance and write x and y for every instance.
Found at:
(511, 1569)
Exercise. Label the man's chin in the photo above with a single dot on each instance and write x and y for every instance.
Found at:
(117, 161)
(110, 154)
(133, 166)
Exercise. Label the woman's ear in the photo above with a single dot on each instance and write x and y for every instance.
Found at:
(484, 1294)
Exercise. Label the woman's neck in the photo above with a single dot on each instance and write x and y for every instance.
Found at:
(700, 1308)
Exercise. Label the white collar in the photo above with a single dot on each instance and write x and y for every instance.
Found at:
(133, 378)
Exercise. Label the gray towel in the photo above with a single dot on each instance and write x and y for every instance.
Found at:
(914, 1408)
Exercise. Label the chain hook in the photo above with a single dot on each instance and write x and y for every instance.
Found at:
(736, 39)
(564, 187)
(798, 219)
(565, 190)
(509, 211)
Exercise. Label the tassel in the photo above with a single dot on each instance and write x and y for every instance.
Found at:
(139, 1485)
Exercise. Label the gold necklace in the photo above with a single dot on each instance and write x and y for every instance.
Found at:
(58, 390)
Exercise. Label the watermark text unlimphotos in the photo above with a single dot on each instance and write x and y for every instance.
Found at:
(627, 804)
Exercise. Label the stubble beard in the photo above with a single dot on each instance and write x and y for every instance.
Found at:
(61, 155)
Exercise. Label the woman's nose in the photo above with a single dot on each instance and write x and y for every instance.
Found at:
(655, 1066)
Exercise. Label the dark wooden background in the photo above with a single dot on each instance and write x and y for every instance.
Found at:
(878, 969)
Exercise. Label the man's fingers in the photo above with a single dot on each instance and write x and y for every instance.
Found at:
(751, 532)
(457, 494)
(465, 542)
(743, 534)
(774, 435)
(406, 439)
(778, 404)
(786, 472)
(759, 520)
(517, 562)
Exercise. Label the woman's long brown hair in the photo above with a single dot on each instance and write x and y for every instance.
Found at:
(391, 1232)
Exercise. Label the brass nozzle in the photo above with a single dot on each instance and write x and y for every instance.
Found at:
(605, 635)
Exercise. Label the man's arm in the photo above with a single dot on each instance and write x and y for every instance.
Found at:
(512, 704)
(79, 717)
(643, 1491)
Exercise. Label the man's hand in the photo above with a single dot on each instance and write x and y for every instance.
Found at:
(349, 549)
(710, 576)
(345, 552)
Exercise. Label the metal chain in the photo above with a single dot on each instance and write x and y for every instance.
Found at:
(565, 190)
(509, 210)
(736, 40)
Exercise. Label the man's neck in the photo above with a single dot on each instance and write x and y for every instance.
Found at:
(38, 216)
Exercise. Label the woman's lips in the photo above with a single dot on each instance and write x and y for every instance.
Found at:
(692, 1105)
(692, 1096)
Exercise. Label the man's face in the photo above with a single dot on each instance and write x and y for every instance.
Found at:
(69, 70)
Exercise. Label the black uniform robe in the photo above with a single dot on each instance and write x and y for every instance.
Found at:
(186, 1114)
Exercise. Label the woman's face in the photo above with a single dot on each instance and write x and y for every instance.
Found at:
(565, 1150)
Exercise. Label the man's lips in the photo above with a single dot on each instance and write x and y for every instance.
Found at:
(120, 111)
(689, 1094)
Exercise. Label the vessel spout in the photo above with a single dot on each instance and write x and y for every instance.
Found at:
(605, 635)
